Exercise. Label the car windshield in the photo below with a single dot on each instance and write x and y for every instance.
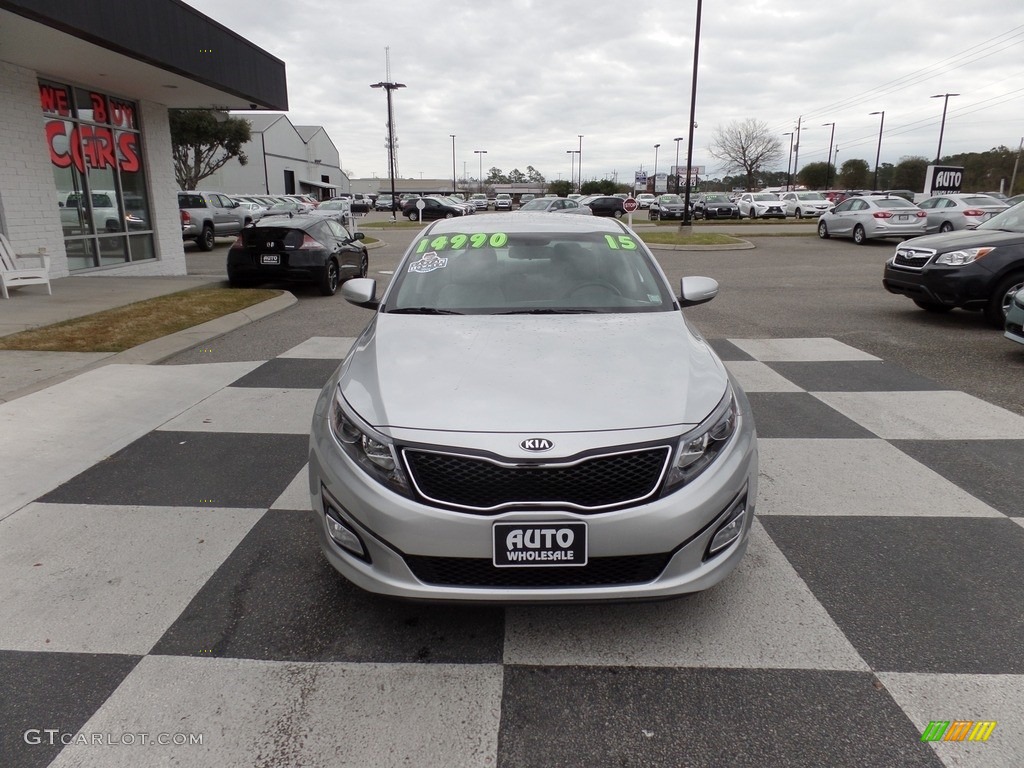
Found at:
(894, 202)
(981, 200)
(333, 205)
(1010, 220)
(765, 196)
(674, 199)
(809, 196)
(716, 199)
(535, 205)
(528, 272)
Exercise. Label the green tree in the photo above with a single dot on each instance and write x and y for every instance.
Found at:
(813, 175)
(515, 176)
(533, 175)
(561, 187)
(496, 176)
(854, 174)
(909, 173)
(203, 141)
(599, 187)
(746, 147)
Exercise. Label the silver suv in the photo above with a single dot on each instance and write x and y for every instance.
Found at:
(209, 215)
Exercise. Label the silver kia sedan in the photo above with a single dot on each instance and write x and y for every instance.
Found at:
(529, 417)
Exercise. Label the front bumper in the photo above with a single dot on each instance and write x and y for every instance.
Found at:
(412, 547)
(967, 287)
(1015, 320)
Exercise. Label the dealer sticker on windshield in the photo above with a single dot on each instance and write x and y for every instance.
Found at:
(558, 544)
(428, 263)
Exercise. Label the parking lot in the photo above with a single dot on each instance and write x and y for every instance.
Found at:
(170, 583)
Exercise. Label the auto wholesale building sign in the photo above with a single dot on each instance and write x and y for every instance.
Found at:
(943, 180)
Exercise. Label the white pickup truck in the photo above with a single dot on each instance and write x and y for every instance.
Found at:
(106, 216)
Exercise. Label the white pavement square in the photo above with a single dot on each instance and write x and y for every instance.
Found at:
(250, 410)
(754, 376)
(107, 579)
(296, 495)
(321, 348)
(800, 350)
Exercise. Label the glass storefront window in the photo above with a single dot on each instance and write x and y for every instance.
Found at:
(96, 152)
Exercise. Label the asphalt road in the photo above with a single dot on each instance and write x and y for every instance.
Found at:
(785, 287)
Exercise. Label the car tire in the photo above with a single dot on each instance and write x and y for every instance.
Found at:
(364, 265)
(328, 284)
(449, 215)
(247, 222)
(930, 306)
(946, 227)
(859, 235)
(823, 231)
(753, 214)
(617, 214)
(652, 215)
(206, 239)
(799, 213)
(411, 215)
(1001, 298)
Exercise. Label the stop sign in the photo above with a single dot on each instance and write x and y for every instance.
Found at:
(630, 204)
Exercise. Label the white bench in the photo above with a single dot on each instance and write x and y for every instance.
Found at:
(15, 272)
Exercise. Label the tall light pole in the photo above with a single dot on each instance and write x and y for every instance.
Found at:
(455, 185)
(828, 157)
(579, 165)
(684, 225)
(656, 168)
(789, 162)
(1016, 163)
(878, 152)
(388, 88)
(942, 125)
(572, 165)
(677, 162)
(480, 153)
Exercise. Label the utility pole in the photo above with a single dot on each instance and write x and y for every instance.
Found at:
(796, 149)
(1016, 163)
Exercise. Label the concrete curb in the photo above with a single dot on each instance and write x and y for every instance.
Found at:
(158, 350)
(743, 245)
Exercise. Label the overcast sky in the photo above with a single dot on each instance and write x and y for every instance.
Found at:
(522, 79)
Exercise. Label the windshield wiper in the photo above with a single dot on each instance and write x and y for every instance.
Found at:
(423, 311)
(550, 311)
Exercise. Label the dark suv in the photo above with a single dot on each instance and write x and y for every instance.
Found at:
(978, 269)
(604, 205)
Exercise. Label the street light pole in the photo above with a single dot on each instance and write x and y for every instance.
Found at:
(828, 158)
(677, 162)
(684, 225)
(878, 152)
(388, 88)
(656, 168)
(789, 162)
(942, 125)
(480, 154)
(579, 165)
(572, 166)
(455, 185)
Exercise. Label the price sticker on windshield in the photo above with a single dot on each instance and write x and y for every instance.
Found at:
(461, 242)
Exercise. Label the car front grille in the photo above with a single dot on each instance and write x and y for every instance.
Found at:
(480, 572)
(912, 258)
(590, 484)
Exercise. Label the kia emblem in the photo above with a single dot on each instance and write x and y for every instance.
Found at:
(536, 444)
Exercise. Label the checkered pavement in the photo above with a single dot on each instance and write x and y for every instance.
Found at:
(161, 575)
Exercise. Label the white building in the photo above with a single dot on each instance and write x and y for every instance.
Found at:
(283, 159)
(85, 145)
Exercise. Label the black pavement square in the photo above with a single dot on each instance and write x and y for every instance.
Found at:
(728, 351)
(936, 594)
(290, 373)
(277, 598)
(191, 469)
(51, 691)
(800, 415)
(990, 470)
(854, 376)
(702, 717)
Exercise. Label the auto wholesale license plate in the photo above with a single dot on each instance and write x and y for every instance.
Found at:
(270, 258)
(518, 545)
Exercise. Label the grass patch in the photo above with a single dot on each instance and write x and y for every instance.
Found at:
(400, 224)
(696, 238)
(115, 330)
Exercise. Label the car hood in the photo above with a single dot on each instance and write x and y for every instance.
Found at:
(966, 238)
(523, 373)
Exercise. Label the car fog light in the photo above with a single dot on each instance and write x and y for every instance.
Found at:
(345, 537)
(729, 532)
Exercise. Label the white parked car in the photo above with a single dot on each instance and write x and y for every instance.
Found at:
(645, 199)
(805, 204)
(761, 205)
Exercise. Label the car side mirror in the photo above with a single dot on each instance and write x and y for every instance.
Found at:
(361, 291)
(696, 290)
(358, 236)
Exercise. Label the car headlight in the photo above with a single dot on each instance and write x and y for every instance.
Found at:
(966, 256)
(698, 449)
(371, 450)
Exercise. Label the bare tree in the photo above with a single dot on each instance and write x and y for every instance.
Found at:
(745, 147)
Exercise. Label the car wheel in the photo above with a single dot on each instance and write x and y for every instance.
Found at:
(206, 240)
(946, 227)
(653, 215)
(449, 215)
(753, 213)
(247, 222)
(411, 215)
(859, 235)
(823, 231)
(799, 213)
(617, 214)
(364, 266)
(329, 280)
(930, 306)
(999, 304)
